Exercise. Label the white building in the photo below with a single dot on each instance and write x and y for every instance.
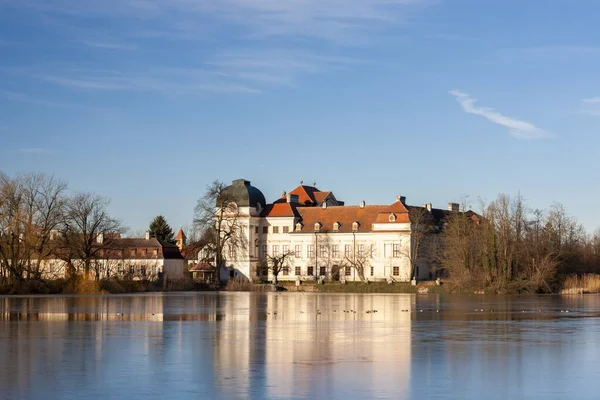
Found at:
(132, 258)
(328, 238)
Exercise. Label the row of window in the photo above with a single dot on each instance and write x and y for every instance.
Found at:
(322, 271)
(335, 250)
(274, 229)
(136, 269)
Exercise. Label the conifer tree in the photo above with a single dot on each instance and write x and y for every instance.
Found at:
(161, 230)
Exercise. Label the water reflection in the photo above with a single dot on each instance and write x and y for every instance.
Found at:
(251, 345)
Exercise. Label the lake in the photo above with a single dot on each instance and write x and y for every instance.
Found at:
(299, 345)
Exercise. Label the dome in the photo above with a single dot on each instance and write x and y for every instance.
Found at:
(244, 195)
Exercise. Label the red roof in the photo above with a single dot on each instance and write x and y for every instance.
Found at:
(180, 234)
(347, 215)
(202, 266)
(280, 210)
(306, 194)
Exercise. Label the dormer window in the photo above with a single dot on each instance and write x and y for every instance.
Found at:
(298, 227)
(336, 226)
(355, 226)
(392, 217)
(317, 226)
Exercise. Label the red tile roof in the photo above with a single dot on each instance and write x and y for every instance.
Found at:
(347, 215)
(280, 210)
(180, 234)
(321, 196)
(202, 266)
(306, 194)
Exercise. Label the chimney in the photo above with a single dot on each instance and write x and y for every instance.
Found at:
(362, 204)
(147, 235)
(283, 194)
(429, 207)
(100, 238)
(401, 199)
(453, 207)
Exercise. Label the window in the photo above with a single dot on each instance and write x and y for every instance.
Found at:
(121, 269)
(396, 250)
(310, 271)
(298, 227)
(298, 252)
(275, 250)
(317, 226)
(396, 271)
(348, 271)
(143, 270)
(275, 229)
(264, 250)
(322, 271)
(355, 226)
(335, 251)
(311, 251)
(361, 250)
(372, 271)
(265, 229)
(297, 271)
(286, 271)
(232, 252)
(392, 217)
(323, 251)
(155, 252)
(133, 252)
(285, 249)
(131, 270)
(286, 229)
(145, 252)
(347, 250)
(336, 226)
(256, 229)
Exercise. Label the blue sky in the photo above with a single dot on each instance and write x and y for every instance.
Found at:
(148, 101)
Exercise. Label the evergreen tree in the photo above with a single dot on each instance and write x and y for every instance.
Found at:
(161, 230)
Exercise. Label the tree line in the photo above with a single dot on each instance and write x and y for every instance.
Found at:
(509, 247)
(42, 220)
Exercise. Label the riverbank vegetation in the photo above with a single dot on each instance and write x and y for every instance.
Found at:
(506, 247)
(512, 248)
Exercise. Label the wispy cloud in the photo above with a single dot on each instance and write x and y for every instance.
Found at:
(108, 45)
(331, 20)
(592, 100)
(591, 106)
(23, 98)
(449, 37)
(35, 150)
(517, 128)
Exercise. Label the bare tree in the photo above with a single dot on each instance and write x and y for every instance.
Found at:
(422, 225)
(358, 260)
(276, 263)
(218, 216)
(31, 209)
(88, 232)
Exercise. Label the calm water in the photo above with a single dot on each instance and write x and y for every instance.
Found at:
(267, 346)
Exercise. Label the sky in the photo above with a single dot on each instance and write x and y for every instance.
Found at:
(147, 102)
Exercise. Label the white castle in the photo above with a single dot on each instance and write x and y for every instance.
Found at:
(331, 240)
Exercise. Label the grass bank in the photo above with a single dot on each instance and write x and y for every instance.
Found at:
(575, 284)
(108, 286)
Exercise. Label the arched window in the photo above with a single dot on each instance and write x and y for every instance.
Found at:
(336, 226)
(298, 227)
(317, 226)
(355, 226)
